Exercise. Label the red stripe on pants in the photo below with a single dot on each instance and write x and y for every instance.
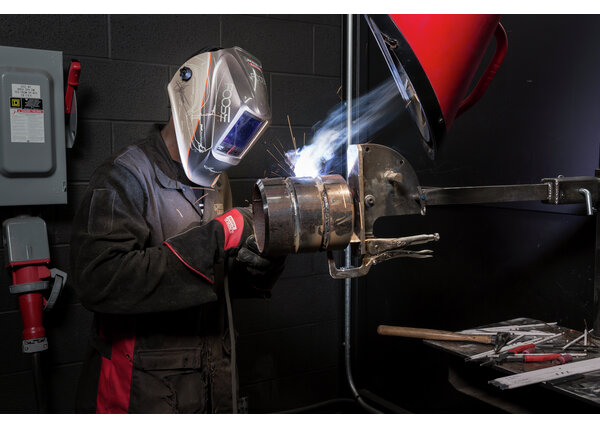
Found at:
(114, 385)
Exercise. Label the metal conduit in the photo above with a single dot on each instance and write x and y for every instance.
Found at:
(347, 253)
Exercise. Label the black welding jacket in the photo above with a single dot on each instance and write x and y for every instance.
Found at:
(159, 342)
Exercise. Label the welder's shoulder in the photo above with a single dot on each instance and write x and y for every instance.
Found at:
(128, 164)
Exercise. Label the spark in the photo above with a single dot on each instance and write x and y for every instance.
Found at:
(202, 187)
(291, 133)
(287, 161)
(276, 160)
(198, 200)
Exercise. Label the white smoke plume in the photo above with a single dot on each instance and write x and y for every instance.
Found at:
(371, 112)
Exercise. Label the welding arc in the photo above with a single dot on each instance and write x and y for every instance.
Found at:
(432, 334)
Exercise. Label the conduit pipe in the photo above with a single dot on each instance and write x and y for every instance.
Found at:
(348, 253)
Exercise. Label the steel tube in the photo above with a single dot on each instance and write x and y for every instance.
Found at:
(486, 194)
(302, 214)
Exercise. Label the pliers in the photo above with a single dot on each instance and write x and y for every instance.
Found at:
(525, 348)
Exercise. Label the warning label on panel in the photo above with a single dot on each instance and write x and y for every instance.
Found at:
(22, 90)
(26, 114)
(27, 122)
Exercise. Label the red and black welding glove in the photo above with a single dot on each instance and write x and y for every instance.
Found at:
(237, 226)
(201, 247)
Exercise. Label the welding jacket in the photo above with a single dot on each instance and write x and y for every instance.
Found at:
(160, 339)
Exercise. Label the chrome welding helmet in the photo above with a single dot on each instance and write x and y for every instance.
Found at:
(220, 108)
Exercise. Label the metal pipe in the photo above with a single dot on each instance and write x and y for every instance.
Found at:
(486, 194)
(302, 214)
(348, 253)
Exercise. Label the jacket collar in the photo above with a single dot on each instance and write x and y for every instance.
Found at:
(168, 172)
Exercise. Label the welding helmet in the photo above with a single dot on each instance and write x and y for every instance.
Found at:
(220, 108)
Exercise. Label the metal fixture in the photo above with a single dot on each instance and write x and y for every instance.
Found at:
(588, 200)
(324, 213)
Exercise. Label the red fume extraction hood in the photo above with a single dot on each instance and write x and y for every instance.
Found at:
(433, 59)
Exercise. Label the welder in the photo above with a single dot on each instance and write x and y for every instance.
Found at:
(157, 256)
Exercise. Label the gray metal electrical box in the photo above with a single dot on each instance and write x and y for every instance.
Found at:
(25, 239)
(32, 128)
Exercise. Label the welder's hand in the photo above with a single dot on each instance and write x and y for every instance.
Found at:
(238, 226)
(255, 264)
(201, 246)
(254, 274)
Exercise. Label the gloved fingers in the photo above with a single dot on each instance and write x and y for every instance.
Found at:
(246, 213)
(251, 244)
(252, 259)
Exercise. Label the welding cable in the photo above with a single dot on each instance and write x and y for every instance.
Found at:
(38, 379)
(318, 405)
(234, 395)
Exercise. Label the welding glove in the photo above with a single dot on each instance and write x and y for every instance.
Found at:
(238, 226)
(253, 274)
(203, 246)
(255, 264)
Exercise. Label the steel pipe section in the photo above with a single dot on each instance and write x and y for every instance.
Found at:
(302, 214)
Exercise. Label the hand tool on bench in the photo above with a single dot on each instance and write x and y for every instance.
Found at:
(553, 348)
(497, 340)
(526, 353)
(556, 358)
(501, 357)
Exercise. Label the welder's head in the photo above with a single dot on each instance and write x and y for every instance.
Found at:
(220, 108)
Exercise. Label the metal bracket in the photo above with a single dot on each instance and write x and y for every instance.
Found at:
(28, 287)
(60, 278)
(567, 190)
(383, 249)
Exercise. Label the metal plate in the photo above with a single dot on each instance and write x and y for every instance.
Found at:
(385, 192)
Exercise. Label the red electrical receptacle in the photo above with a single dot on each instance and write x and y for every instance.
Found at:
(28, 256)
(31, 304)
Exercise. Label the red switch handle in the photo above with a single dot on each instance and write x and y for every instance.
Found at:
(72, 82)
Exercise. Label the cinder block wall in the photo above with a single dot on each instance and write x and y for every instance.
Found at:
(289, 346)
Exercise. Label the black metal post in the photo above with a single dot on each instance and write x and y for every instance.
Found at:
(596, 296)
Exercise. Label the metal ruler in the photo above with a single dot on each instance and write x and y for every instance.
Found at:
(546, 374)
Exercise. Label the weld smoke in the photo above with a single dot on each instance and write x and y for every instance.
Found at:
(370, 112)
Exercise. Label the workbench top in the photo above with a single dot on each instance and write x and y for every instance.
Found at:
(585, 388)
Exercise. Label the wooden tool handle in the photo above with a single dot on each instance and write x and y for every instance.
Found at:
(431, 334)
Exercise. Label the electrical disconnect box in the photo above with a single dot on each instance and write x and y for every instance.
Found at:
(33, 167)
